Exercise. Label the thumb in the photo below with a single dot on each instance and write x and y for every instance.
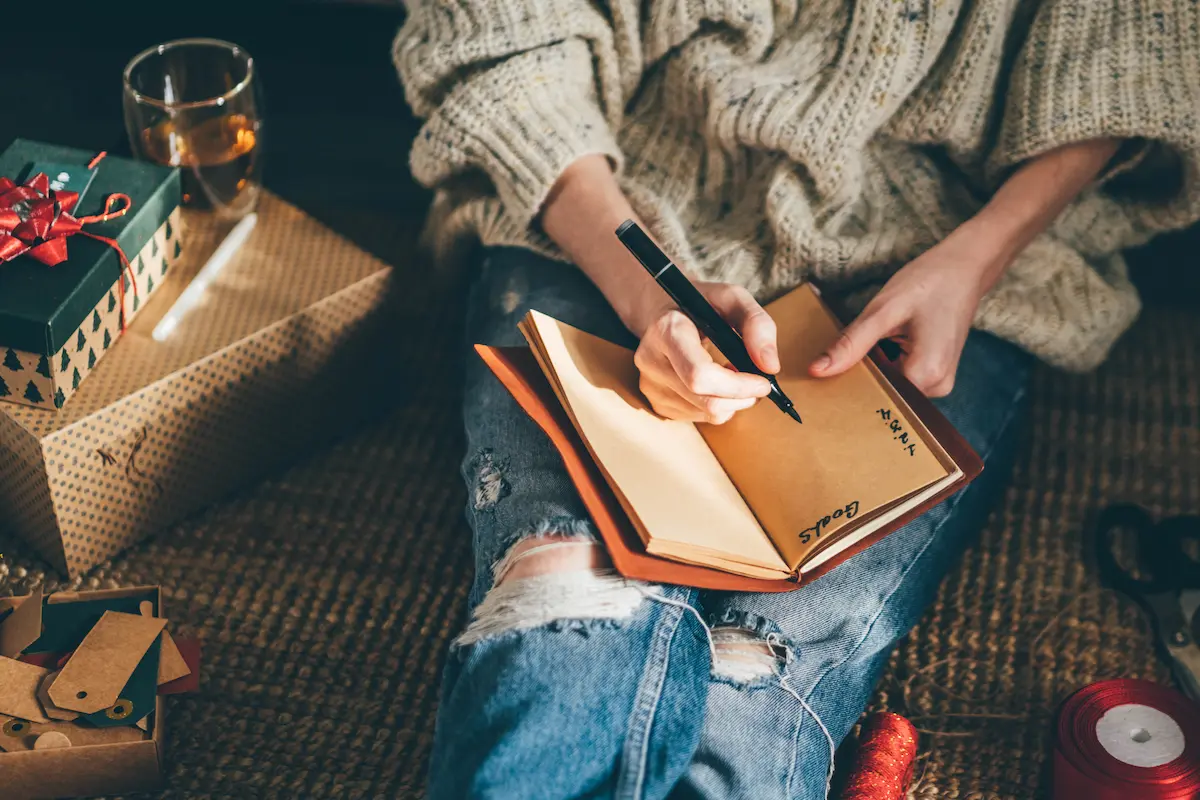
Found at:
(750, 319)
(759, 334)
(857, 339)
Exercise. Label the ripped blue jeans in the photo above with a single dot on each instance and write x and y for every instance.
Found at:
(579, 684)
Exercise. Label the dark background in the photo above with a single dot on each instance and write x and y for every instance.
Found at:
(338, 127)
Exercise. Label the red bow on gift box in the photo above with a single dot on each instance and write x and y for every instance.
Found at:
(36, 220)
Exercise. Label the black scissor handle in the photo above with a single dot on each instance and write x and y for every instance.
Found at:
(1164, 549)
(1128, 517)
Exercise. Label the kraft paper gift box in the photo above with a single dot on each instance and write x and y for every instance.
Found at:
(273, 361)
(116, 759)
(57, 322)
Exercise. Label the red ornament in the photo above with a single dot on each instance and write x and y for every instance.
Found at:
(887, 750)
(36, 220)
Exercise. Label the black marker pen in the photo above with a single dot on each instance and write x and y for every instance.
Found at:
(698, 310)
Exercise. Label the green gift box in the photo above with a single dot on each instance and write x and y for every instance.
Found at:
(57, 322)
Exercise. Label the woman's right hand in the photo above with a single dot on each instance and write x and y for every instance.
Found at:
(680, 378)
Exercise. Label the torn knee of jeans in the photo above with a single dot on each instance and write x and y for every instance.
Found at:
(558, 525)
(742, 656)
(746, 620)
(550, 552)
(555, 581)
(491, 486)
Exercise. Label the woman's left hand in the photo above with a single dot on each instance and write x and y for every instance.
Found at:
(928, 306)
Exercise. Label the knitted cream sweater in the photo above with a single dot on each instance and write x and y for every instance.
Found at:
(769, 143)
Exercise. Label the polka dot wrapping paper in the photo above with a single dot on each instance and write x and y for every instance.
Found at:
(275, 359)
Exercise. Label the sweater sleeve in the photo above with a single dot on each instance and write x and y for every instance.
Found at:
(1128, 69)
(514, 89)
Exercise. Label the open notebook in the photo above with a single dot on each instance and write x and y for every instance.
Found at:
(760, 503)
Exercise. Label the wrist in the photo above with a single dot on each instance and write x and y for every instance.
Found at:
(584, 208)
(993, 242)
(1029, 201)
(642, 309)
(581, 215)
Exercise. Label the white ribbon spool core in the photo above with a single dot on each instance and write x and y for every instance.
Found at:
(1140, 736)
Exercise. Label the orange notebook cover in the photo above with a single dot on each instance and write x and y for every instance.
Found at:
(756, 504)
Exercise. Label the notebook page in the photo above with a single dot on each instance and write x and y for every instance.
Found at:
(856, 452)
(931, 441)
(662, 468)
(884, 519)
(888, 515)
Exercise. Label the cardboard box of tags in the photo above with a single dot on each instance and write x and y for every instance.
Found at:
(283, 353)
(111, 642)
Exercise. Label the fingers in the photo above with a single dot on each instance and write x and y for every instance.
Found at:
(933, 381)
(932, 362)
(931, 352)
(681, 380)
(672, 405)
(933, 300)
(878, 321)
(758, 330)
(697, 373)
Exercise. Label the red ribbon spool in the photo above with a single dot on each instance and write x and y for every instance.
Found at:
(887, 751)
(1085, 770)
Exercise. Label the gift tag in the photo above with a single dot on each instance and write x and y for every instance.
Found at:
(92, 679)
(19, 684)
(22, 627)
(190, 650)
(15, 734)
(64, 624)
(171, 665)
(48, 708)
(136, 698)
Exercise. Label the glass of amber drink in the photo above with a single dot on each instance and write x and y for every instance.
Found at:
(196, 104)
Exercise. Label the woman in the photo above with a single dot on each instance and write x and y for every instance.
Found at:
(984, 160)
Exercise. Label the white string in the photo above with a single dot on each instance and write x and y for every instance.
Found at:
(712, 645)
(783, 681)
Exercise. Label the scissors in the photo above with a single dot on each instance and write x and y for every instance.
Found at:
(1170, 588)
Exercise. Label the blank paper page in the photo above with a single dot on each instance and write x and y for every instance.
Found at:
(663, 469)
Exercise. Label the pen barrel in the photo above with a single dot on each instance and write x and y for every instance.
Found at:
(692, 303)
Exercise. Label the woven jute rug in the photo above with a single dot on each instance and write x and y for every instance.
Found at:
(328, 594)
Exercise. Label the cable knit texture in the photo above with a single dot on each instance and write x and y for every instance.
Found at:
(769, 143)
